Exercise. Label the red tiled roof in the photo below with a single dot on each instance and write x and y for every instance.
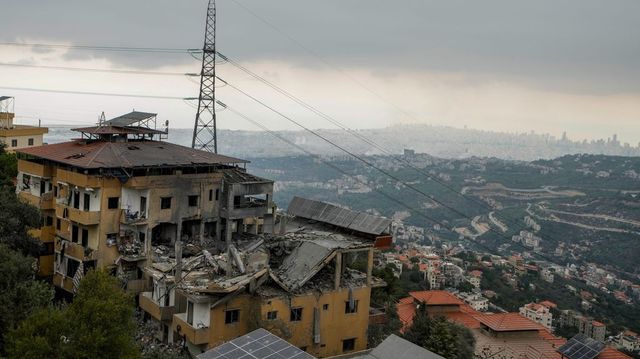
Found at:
(436, 297)
(595, 323)
(549, 304)
(406, 300)
(508, 322)
(406, 312)
(104, 154)
(610, 353)
(476, 273)
(423, 267)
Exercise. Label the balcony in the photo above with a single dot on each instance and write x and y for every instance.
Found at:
(129, 217)
(34, 169)
(195, 336)
(77, 179)
(88, 218)
(76, 251)
(65, 283)
(253, 208)
(153, 309)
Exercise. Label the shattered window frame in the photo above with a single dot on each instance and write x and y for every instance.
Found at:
(113, 202)
(295, 315)
(193, 200)
(348, 309)
(272, 315)
(165, 202)
(231, 316)
(348, 345)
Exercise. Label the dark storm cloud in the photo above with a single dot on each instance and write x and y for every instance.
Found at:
(576, 45)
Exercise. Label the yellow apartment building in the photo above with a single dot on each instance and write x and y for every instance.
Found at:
(17, 136)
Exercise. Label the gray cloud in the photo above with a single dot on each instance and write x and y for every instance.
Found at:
(582, 46)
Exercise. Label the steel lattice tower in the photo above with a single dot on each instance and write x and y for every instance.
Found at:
(204, 130)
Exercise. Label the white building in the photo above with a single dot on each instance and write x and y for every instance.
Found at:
(538, 313)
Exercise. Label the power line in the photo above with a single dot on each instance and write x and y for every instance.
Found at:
(118, 71)
(94, 93)
(326, 62)
(369, 164)
(336, 168)
(362, 137)
(103, 48)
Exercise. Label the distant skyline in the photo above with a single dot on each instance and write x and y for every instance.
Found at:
(495, 65)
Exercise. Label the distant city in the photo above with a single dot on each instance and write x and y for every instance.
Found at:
(439, 141)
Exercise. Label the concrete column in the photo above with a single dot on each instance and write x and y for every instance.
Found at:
(338, 260)
(370, 267)
(201, 231)
(178, 252)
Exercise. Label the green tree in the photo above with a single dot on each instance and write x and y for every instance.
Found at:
(20, 294)
(8, 167)
(440, 336)
(98, 324)
(16, 218)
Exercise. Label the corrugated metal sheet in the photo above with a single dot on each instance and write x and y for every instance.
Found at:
(337, 216)
(130, 118)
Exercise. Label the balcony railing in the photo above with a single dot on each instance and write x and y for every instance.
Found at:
(75, 250)
(87, 218)
(195, 336)
(133, 217)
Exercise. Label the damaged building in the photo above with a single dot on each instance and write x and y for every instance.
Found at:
(297, 279)
(118, 195)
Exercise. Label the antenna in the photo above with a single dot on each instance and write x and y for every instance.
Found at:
(204, 130)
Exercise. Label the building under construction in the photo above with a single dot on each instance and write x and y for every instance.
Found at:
(198, 240)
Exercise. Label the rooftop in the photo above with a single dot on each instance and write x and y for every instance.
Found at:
(507, 322)
(436, 297)
(259, 344)
(132, 154)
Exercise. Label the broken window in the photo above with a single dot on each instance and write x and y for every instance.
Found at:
(193, 201)
(49, 221)
(76, 200)
(231, 316)
(325, 307)
(72, 266)
(74, 234)
(55, 191)
(113, 202)
(190, 312)
(296, 314)
(87, 201)
(273, 315)
(217, 194)
(85, 237)
(165, 202)
(351, 307)
(348, 345)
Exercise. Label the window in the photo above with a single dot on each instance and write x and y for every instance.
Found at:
(55, 191)
(76, 200)
(87, 201)
(113, 202)
(210, 195)
(14, 143)
(30, 142)
(58, 223)
(193, 201)
(49, 221)
(217, 194)
(325, 307)
(348, 345)
(72, 267)
(231, 316)
(296, 314)
(85, 237)
(348, 308)
(273, 315)
(165, 202)
(190, 312)
(74, 234)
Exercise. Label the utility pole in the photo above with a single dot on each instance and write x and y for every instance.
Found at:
(204, 130)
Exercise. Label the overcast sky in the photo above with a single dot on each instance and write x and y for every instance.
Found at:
(504, 65)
